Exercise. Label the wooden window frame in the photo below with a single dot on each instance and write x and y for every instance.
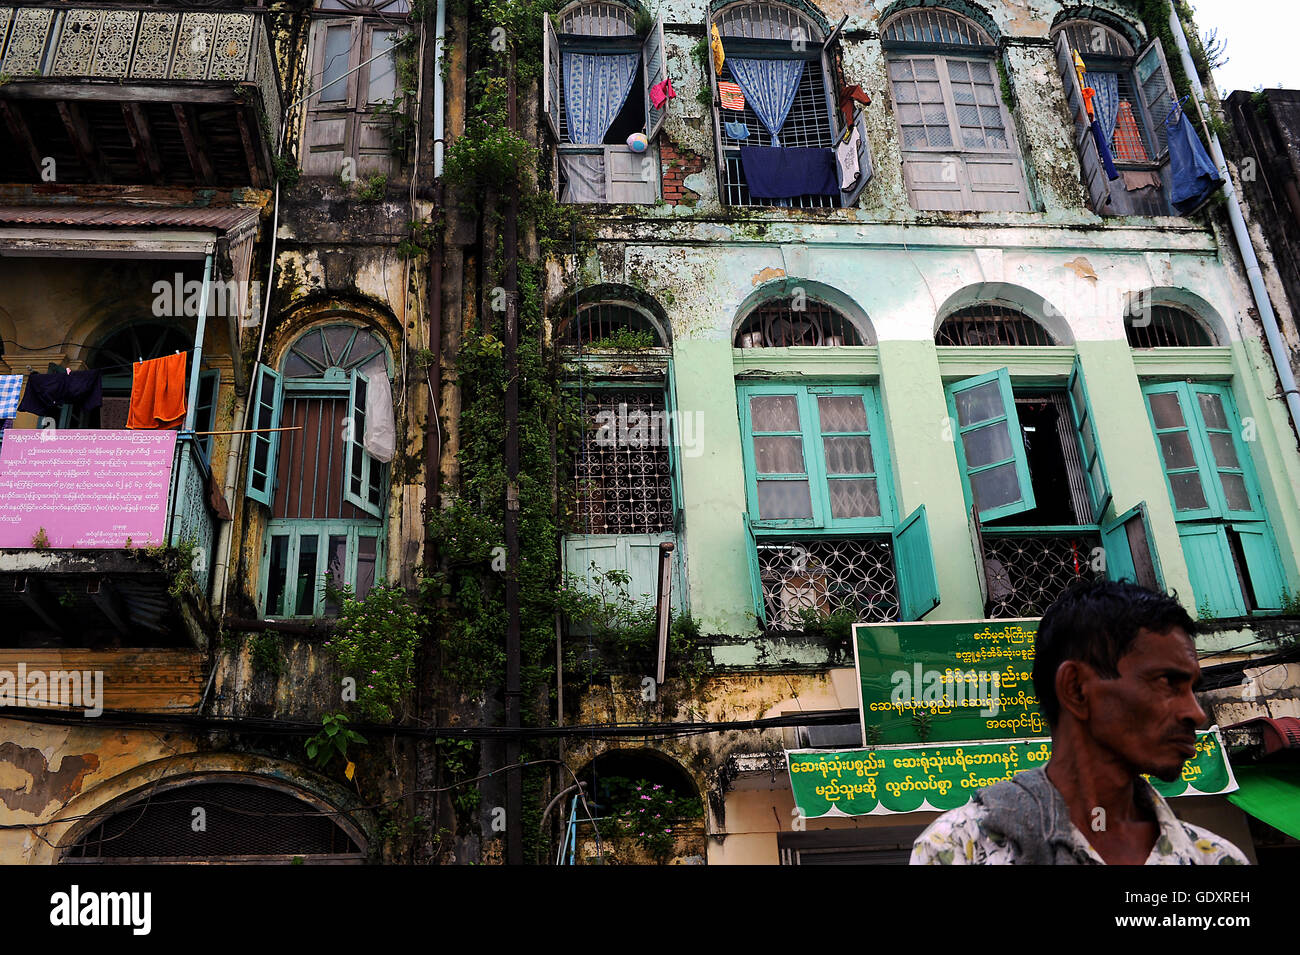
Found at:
(296, 529)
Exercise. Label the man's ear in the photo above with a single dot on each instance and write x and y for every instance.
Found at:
(1072, 679)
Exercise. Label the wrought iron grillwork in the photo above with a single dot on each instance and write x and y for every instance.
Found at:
(934, 26)
(1169, 328)
(854, 574)
(243, 820)
(1086, 35)
(779, 325)
(991, 325)
(598, 19)
(622, 479)
(766, 21)
(1025, 574)
(595, 323)
(807, 124)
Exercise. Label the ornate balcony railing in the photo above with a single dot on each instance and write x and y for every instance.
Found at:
(1025, 574)
(827, 576)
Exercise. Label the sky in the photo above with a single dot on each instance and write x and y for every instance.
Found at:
(1261, 38)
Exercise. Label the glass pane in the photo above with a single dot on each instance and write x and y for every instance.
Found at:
(336, 565)
(987, 445)
(980, 72)
(900, 69)
(848, 455)
(1089, 445)
(1188, 493)
(959, 70)
(934, 115)
(778, 455)
(1212, 411)
(979, 404)
(276, 575)
(842, 413)
(366, 550)
(1234, 489)
(939, 136)
(992, 117)
(995, 487)
(295, 366)
(854, 498)
(338, 41)
(973, 138)
(925, 69)
(1177, 449)
(310, 347)
(383, 79)
(1225, 452)
(337, 337)
(774, 412)
(1165, 411)
(783, 500)
(305, 594)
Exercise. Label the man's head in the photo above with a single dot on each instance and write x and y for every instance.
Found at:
(1117, 663)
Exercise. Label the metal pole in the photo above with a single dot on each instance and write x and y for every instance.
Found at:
(191, 407)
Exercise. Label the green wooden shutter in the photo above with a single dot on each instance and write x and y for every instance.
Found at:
(1262, 564)
(362, 484)
(1126, 543)
(990, 446)
(675, 450)
(918, 580)
(1085, 426)
(264, 446)
(205, 418)
(1210, 566)
(755, 574)
(1174, 420)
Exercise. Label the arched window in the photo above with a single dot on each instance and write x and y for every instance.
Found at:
(993, 324)
(1167, 327)
(610, 325)
(246, 822)
(604, 70)
(326, 480)
(777, 324)
(959, 149)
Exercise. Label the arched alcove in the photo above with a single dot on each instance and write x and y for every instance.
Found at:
(996, 299)
(813, 314)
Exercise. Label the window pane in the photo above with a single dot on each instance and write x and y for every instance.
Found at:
(1212, 411)
(366, 550)
(336, 564)
(995, 487)
(383, 80)
(305, 595)
(338, 41)
(979, 404)
(1188, 493)
(987, 445)
(1165, 411)
(842, 413)
(925, 69)
(1225, 453)
(854, 498)
(1089, 445)
(778, 455)
(783, 500)
(848, 455)
(276, 575)
(1177, 450)
(1234, 489)
(338, 338)
(774, 412)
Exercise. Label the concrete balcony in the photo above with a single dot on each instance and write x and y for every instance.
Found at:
(137, 96)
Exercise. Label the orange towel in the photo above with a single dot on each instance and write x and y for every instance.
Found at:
(158, 393)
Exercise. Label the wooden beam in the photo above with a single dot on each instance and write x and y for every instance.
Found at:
(32, 593)
(19, 130)
(82, 141)
(246, 134)
(146, 153)
(194, 146)
(113, 92)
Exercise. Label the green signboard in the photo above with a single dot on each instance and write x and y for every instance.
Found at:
(939, 682)
(912, 778)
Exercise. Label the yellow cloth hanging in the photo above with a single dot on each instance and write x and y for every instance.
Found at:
(718, 56)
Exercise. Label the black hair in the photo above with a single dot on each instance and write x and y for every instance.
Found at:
(1096, 622)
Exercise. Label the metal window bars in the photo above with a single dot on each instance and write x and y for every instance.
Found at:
(991, 324)
(1026, 574)
(936, 27)
(594, 323)
(780, 325)
(827, 576)
(1168, 328)
(622, 482)
(598, 19)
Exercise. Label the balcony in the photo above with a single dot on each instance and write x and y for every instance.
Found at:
(106, 94)
(84, 517)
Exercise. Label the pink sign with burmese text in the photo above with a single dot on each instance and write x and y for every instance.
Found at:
(92, 489)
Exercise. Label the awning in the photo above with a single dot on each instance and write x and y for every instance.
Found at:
(120, 231)
(1271, 794)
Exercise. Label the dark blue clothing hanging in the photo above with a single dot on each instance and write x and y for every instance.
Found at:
(1193, 177)
(779, 172)
(46, 393)
(1103, 151)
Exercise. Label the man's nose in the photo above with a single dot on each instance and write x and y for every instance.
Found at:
(1192, 709)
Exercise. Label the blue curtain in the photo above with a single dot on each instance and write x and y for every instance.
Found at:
(1106, 102)
(595, 88)
(769, 87)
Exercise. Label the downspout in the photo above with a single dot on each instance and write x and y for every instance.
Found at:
(1254, 274)
(439, 52)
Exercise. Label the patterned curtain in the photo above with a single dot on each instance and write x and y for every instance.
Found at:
(595, 88)
(1106, 102)
(769, 87)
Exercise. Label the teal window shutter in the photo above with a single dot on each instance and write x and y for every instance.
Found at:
(1210, 566)
(1182, 450)
(362, 474)
(205, 417)
(1262, 564)
(755, 574)
(990, 446)
(1126, 546)
(1085, 426)
(263, 449)
(675, 448)
(1231, 475)
(918, 581)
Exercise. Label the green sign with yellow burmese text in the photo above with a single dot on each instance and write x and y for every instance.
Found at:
(918, 778)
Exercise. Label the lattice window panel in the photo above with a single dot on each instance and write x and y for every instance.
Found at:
(854, 574)
(622, 484)
(934, 26)
(807, 124)
(1095, 39)
(1026, 574)
(597, 322)
(598, 19)
(991, 325)
(1169, 328)
(778, 325)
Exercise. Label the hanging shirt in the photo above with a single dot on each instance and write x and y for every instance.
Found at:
(11, 389)
(736, 130)
(1128, 138)
(158, 393)
(380, 437)
(46, 393)
(1193, 178)
(661, 93)
(846, 156)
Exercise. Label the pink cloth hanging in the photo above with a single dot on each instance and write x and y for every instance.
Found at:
(661, 93)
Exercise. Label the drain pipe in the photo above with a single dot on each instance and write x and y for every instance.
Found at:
(439, 52)
(1253, 272)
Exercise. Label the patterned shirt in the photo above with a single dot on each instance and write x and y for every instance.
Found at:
(958, 837)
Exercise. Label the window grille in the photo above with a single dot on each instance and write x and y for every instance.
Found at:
(1025, 574)
(597, 322)
(826, 576)
(1105, 50)
(991, 325)
(778, 325)
(766, 21)
(336, 346)
(1095, 39)
(934, 26)
(385, 7)
(598, 19)
(622, 480)
(1169, 328)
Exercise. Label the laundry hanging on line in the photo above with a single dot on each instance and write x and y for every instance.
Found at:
(11, 389)
(730, 96)
(662, 92)
(46, 393)
(158, 393)
(1193, 177)
(846, 157)
(784, 172)
(737, 130)
(850, 95)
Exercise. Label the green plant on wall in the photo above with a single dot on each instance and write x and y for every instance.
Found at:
(332, 742)
(649, 815)
(265, 653)
(374, 642)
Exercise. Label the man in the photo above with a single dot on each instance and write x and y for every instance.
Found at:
(1114, 671)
